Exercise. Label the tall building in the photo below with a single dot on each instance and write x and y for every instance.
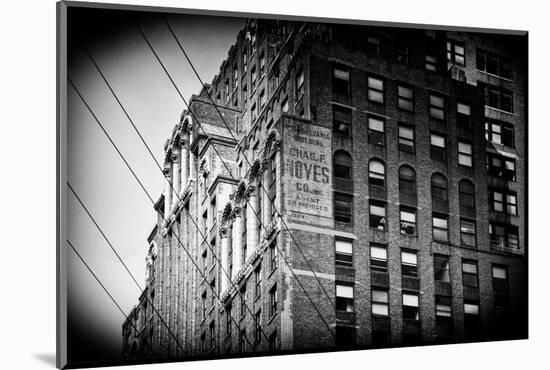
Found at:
(342, 186)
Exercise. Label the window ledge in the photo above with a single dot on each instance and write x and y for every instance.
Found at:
(500, 110)
(493, 75)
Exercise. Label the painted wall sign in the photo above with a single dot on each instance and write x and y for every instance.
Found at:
(307, 173)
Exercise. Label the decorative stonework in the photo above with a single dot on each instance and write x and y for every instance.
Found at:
(255, 171)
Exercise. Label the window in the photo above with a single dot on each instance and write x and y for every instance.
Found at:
(437, 147)
(466, 198)
(373, 45)
(245, 94)
(228, 321)
(377, 174)
(203, 305)
(469, 273)
(273, 341)
(499, 132)
(262, 65)
(380, 302)
(405, 97)
(212, 329)
(402, 53)
(503, 237)
(471, 318)
(258, 281)
(502, 201)
(242, 340)
(253, 112)
(344, 297)
(430, 62)
(341, 80)
(407, 220)
(493, 64)
(226, 90)
(284, 105)
(204, 263)
(499, 98)
(406, 138)
(258, 327)
(253, 44)
(377, 215)
(439, 192)
(243, 301)
(440, 227)
(343, 252)
(235, 76)
(273, 301)
(262, 99)
(375, 91)
(501, 167)
(213, 295)
(343, 207)
(410, 307)
(409, 264)
(342, 165)
(437, 107)
(455, 52)
(442, 308)
(245, 62)
(467, 232)
(345, 336)
(463, 116)
(441, 268)
(500, 285)
(253, 78)
(464, 154)
(376, 133)
(341, 120)
(378, 258)
(407, 180)
(203, 342)
(273, 254)
(299, 85)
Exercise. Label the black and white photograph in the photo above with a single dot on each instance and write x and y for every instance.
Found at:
(248, 185)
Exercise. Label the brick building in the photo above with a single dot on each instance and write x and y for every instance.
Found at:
(351, 187)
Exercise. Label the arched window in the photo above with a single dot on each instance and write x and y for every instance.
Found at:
(377, 173)
(377, 179)
(342, 164)
(407, 180)
(407, 186)
(439, 193)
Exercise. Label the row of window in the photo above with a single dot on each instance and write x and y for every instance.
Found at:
(409, 269)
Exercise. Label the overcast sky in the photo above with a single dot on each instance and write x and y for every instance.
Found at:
(95, 170)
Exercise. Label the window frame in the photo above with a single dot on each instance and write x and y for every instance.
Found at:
(406, 144)
(405, 101)
(452, 52)
(467, 276)
(378, 264)
(436, 110)
(464, 154)
(374, 135)
(374, 91)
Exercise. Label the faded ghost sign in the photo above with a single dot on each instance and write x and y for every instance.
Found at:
(307, 173)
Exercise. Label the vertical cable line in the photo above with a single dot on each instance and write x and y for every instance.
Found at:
(246, 158)
(231, 174)
(153, 202)
(203, 236)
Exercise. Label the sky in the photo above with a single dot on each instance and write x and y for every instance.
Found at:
(96, 172)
